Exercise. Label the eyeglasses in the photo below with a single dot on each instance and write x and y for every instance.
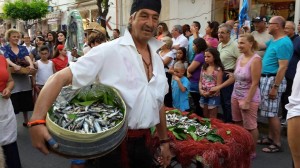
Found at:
(271, 23)
(223, 33)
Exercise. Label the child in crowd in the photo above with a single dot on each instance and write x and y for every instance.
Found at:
(45, 68)
(180, 57)
(60, 58)
(180, 88)
(211, 76)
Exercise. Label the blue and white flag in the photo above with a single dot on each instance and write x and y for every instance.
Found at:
(243, 16)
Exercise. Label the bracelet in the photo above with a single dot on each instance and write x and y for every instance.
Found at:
(164, 141)
(36, 122)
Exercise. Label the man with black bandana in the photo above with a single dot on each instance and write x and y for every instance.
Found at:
(131, 65)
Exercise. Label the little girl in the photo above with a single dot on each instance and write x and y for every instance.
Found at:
(60, 58)
(180, 57)
(211, 76)
(45, 67)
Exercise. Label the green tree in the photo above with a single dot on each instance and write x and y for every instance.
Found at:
(103, 8)
(25, 11)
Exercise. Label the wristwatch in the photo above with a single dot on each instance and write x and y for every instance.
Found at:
(275, 86)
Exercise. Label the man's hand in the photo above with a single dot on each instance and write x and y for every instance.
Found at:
(166, 155)
(273, 93)
(39, 137)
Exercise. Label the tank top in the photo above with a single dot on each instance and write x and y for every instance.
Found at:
(3, 73)
(243, 80)
(209, 80)
(59, 63)
(44, 72)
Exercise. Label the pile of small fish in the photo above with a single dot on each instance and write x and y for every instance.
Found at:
(184, 122)
(95, 118)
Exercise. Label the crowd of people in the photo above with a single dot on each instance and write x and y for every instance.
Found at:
(43, 56)
(245, 73)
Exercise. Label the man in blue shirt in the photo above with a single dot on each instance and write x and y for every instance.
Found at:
(272, 83)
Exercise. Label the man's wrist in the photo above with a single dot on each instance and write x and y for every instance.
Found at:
(36, 122)
(275, 86)
(164, 141)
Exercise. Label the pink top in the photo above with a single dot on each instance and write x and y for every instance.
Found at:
(209, 80)
(243, 80)
(212, 42)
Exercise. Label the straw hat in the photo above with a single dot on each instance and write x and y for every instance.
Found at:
(94, 26)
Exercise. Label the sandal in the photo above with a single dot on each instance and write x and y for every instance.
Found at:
(265, 141)
(274, 148)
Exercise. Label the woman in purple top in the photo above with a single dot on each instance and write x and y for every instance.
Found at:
(193, 72)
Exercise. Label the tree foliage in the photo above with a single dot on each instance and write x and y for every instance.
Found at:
(19, 9)
(103, 7)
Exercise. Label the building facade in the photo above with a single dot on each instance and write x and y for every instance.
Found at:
(173, 12)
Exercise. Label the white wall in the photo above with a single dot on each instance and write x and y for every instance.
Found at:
(185, 12)
(175, 12)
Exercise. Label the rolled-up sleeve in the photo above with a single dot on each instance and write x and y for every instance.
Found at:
(86, 68)
(294, 100)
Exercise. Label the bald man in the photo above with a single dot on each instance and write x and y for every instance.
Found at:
(272, 83)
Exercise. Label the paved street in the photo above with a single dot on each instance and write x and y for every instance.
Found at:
(31, 158)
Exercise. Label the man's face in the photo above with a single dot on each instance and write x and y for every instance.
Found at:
(50, 37)
(115, 34)
(223, 34)
(289, 29)
(144, 22)
(272, 26)
(298, 28)
(259, 26)
(175, 33)
(26, 39)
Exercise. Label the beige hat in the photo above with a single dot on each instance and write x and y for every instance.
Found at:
(94, 26)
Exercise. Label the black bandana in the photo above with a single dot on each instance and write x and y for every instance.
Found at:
(145, 4)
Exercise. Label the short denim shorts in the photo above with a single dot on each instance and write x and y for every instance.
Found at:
(212, 102)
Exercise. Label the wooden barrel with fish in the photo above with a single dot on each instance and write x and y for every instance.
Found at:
(87, 123)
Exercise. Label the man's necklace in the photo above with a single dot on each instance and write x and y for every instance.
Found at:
(147, 65)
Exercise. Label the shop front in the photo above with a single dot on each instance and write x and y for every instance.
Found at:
(223, 10)
(271, 8)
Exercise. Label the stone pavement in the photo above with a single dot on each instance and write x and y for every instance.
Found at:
(32, 158)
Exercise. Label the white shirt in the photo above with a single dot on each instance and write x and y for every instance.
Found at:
(8, 123)
(294, 100)
(30, 48)
(118, 64)
(44, 72)
(171, 55)
(181, 40)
